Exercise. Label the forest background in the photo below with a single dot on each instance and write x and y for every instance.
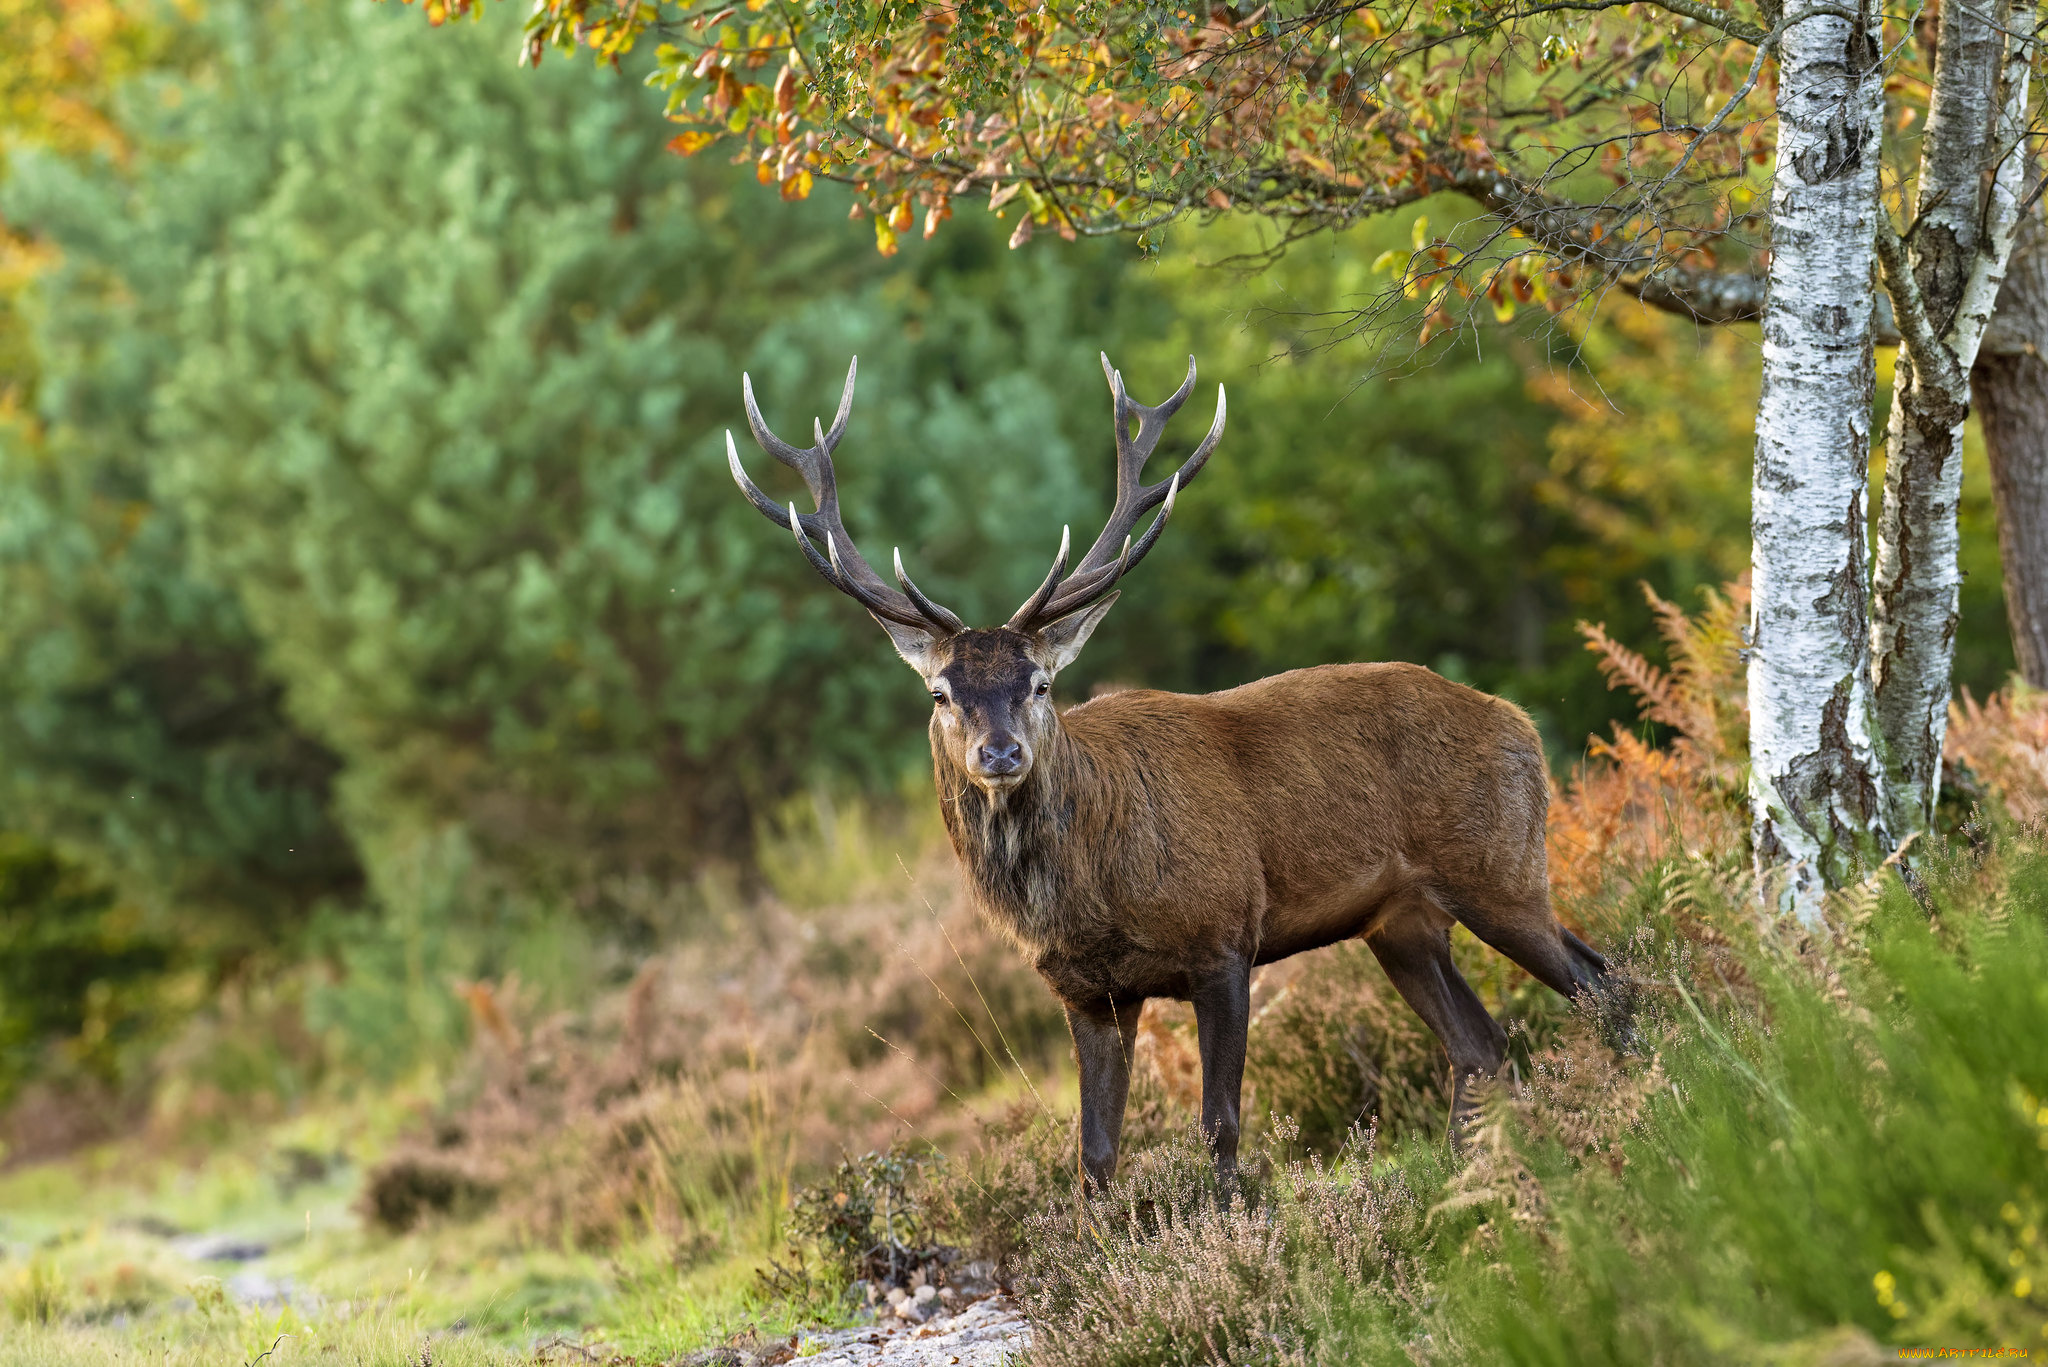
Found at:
(377, 618)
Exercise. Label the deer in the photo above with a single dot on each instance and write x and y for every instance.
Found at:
(1146, 844)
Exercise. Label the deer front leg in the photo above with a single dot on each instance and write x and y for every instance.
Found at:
(1222, 999)
(1104, 1036)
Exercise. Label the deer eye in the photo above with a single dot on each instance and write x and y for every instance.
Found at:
(939, 697)
(1044, 687)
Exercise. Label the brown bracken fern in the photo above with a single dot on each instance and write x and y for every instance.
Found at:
(1629, 804)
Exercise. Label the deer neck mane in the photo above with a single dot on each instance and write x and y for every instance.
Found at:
(1020, 848)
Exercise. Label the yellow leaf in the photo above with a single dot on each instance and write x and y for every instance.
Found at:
(797, 186)
(1503, 309)
(1386, 261)
(1418, 234)
(885, 236)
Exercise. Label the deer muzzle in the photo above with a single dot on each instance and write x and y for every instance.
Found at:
(1000, 761)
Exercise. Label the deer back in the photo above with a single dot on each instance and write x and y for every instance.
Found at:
(1162, 829)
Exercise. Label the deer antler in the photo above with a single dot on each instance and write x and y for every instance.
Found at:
(841, 564)
(1113, 554)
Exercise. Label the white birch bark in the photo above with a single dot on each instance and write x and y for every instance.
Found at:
(1944, 285)
(1812, 780)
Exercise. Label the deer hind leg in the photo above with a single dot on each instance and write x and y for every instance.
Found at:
(1104, 1037)
(1530, 935)
(1526, 932)
(1414, 947)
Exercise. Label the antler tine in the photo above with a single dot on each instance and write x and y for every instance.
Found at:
(1083, 590)
(1135, 499)
(818, 562)
(1132, 452)
(767, 506)
(1113, 555)
(1022, 616)
(1081, 593)
(932, 611)
(841, 565)
(881, 603)
(1192, 466)
(831, 441)
(812, 465)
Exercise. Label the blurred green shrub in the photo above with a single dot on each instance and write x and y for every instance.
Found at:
(80, 976)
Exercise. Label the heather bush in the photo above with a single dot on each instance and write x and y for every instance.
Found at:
(1336, 1048)
(1173, 1269)
(1025, 1161)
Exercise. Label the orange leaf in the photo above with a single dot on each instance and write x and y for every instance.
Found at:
(797, 186)
(785, 90)
(899, 217)
(689, 144)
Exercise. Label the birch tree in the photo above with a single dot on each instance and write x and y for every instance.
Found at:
(1943, 280)
(1813, 786)
(1726, 163)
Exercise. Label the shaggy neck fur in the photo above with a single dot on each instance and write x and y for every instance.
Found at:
(1020, 847)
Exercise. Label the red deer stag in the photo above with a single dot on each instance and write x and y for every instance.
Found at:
(1150, 844)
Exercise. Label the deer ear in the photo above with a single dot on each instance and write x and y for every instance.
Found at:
(1060, 642)
(919, 648)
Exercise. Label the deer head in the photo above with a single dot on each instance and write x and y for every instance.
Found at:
(991, 687)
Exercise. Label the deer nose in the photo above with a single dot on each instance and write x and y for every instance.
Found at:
(999, 757)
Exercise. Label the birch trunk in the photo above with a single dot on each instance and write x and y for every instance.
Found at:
(1812, 781)
(1943, 291)
(2010, 385)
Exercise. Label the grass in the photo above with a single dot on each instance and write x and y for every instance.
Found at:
(100, 1266)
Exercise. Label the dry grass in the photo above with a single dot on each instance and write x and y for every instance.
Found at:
(722, 1069)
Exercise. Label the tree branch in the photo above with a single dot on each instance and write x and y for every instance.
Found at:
(1909, 308)
(1715, 18)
